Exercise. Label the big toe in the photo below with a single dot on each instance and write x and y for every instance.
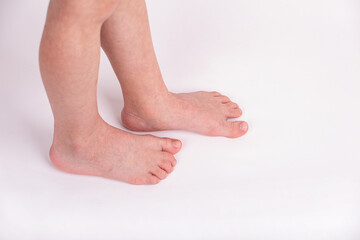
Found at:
(170, 145)
(236, 129)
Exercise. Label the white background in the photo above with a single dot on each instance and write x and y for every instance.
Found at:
(294, 69)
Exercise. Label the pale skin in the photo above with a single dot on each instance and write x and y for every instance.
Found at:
(69, 62)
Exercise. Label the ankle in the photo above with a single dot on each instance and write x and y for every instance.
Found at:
(73, 137)
(74, 153)
(147, 104)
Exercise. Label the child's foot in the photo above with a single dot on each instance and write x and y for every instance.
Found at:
(112, 153)
(202, 112)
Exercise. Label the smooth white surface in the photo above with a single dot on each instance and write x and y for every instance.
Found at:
(293, 67)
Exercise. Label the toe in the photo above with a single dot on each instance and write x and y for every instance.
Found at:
(231, 105)
(170, 145)
(169, 158)
(168, 163)
(166, 166)
(143, 179)
(233, 113)
(236, 129)
(151, 180)
(224, 99)
(158, 172)
(215, 94)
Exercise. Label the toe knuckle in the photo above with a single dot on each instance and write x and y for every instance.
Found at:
(214, 128)
(165, 141)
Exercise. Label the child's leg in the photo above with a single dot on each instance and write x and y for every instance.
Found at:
(126, 39)
(83, 143)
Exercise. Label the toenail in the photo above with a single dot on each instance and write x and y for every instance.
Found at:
(243, 126)
(176, 144)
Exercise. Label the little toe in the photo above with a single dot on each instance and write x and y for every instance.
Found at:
(233, 113)
(158, 172)
(236, 129)
(152, 179)
(170, 145)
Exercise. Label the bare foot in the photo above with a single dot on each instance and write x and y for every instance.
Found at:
(202, 112)
(112, 153)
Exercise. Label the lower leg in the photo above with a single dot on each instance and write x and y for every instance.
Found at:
(69, 60)
(83, 143)
(126, 39)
